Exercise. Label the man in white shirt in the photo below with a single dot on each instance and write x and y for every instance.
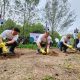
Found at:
(43, 41)
(11, 36)
(64, 41)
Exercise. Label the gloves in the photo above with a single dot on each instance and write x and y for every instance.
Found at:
(2, 44)
(47, 50)
(42, 51)
(69, 46)
(4, 48)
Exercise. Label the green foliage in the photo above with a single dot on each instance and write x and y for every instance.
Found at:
(1, 29)
(59, 15)
(34, 28)
(26, 29)
(48, 78)
(29, 46)
(37, 28)
(72, 41)
(55, 35)
(9, 24)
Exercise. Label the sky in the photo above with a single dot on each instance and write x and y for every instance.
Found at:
(75, 5)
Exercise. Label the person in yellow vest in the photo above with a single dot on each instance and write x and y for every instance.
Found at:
(11, 36)
(43, 43)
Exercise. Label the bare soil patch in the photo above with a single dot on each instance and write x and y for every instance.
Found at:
(27, 65)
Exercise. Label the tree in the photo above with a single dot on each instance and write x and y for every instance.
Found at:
(0, 7)
(32, 28)
(20, 11)
(4, 5)
(26, 9)
(58, 14)
(9, 24)
(29, 7)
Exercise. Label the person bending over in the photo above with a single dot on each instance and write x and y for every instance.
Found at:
(11, 37)
(43, 43)
(64, 42)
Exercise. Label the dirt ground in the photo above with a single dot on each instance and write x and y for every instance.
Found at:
(27, 65)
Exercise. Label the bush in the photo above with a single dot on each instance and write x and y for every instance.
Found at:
(31, 28)
(9, 24)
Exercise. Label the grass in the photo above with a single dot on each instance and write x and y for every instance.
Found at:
(48, 78)
(29, 46)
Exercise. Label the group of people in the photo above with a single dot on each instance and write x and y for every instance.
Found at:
(9, 40)
(43, 41)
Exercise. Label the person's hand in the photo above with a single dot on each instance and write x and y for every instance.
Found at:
(42, 51)
(5, 43)
(47, 50)
(70, 46)
(5, 49)
(2, 44)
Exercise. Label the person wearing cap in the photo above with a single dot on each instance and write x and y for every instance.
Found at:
(43, 41)
(11, 36)
(64, 42)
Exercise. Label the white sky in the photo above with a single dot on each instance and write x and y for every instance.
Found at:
(75, 5)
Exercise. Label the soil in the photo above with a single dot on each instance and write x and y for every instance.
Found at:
(27, 65)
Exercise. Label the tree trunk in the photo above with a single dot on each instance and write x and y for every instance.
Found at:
(4, 9)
